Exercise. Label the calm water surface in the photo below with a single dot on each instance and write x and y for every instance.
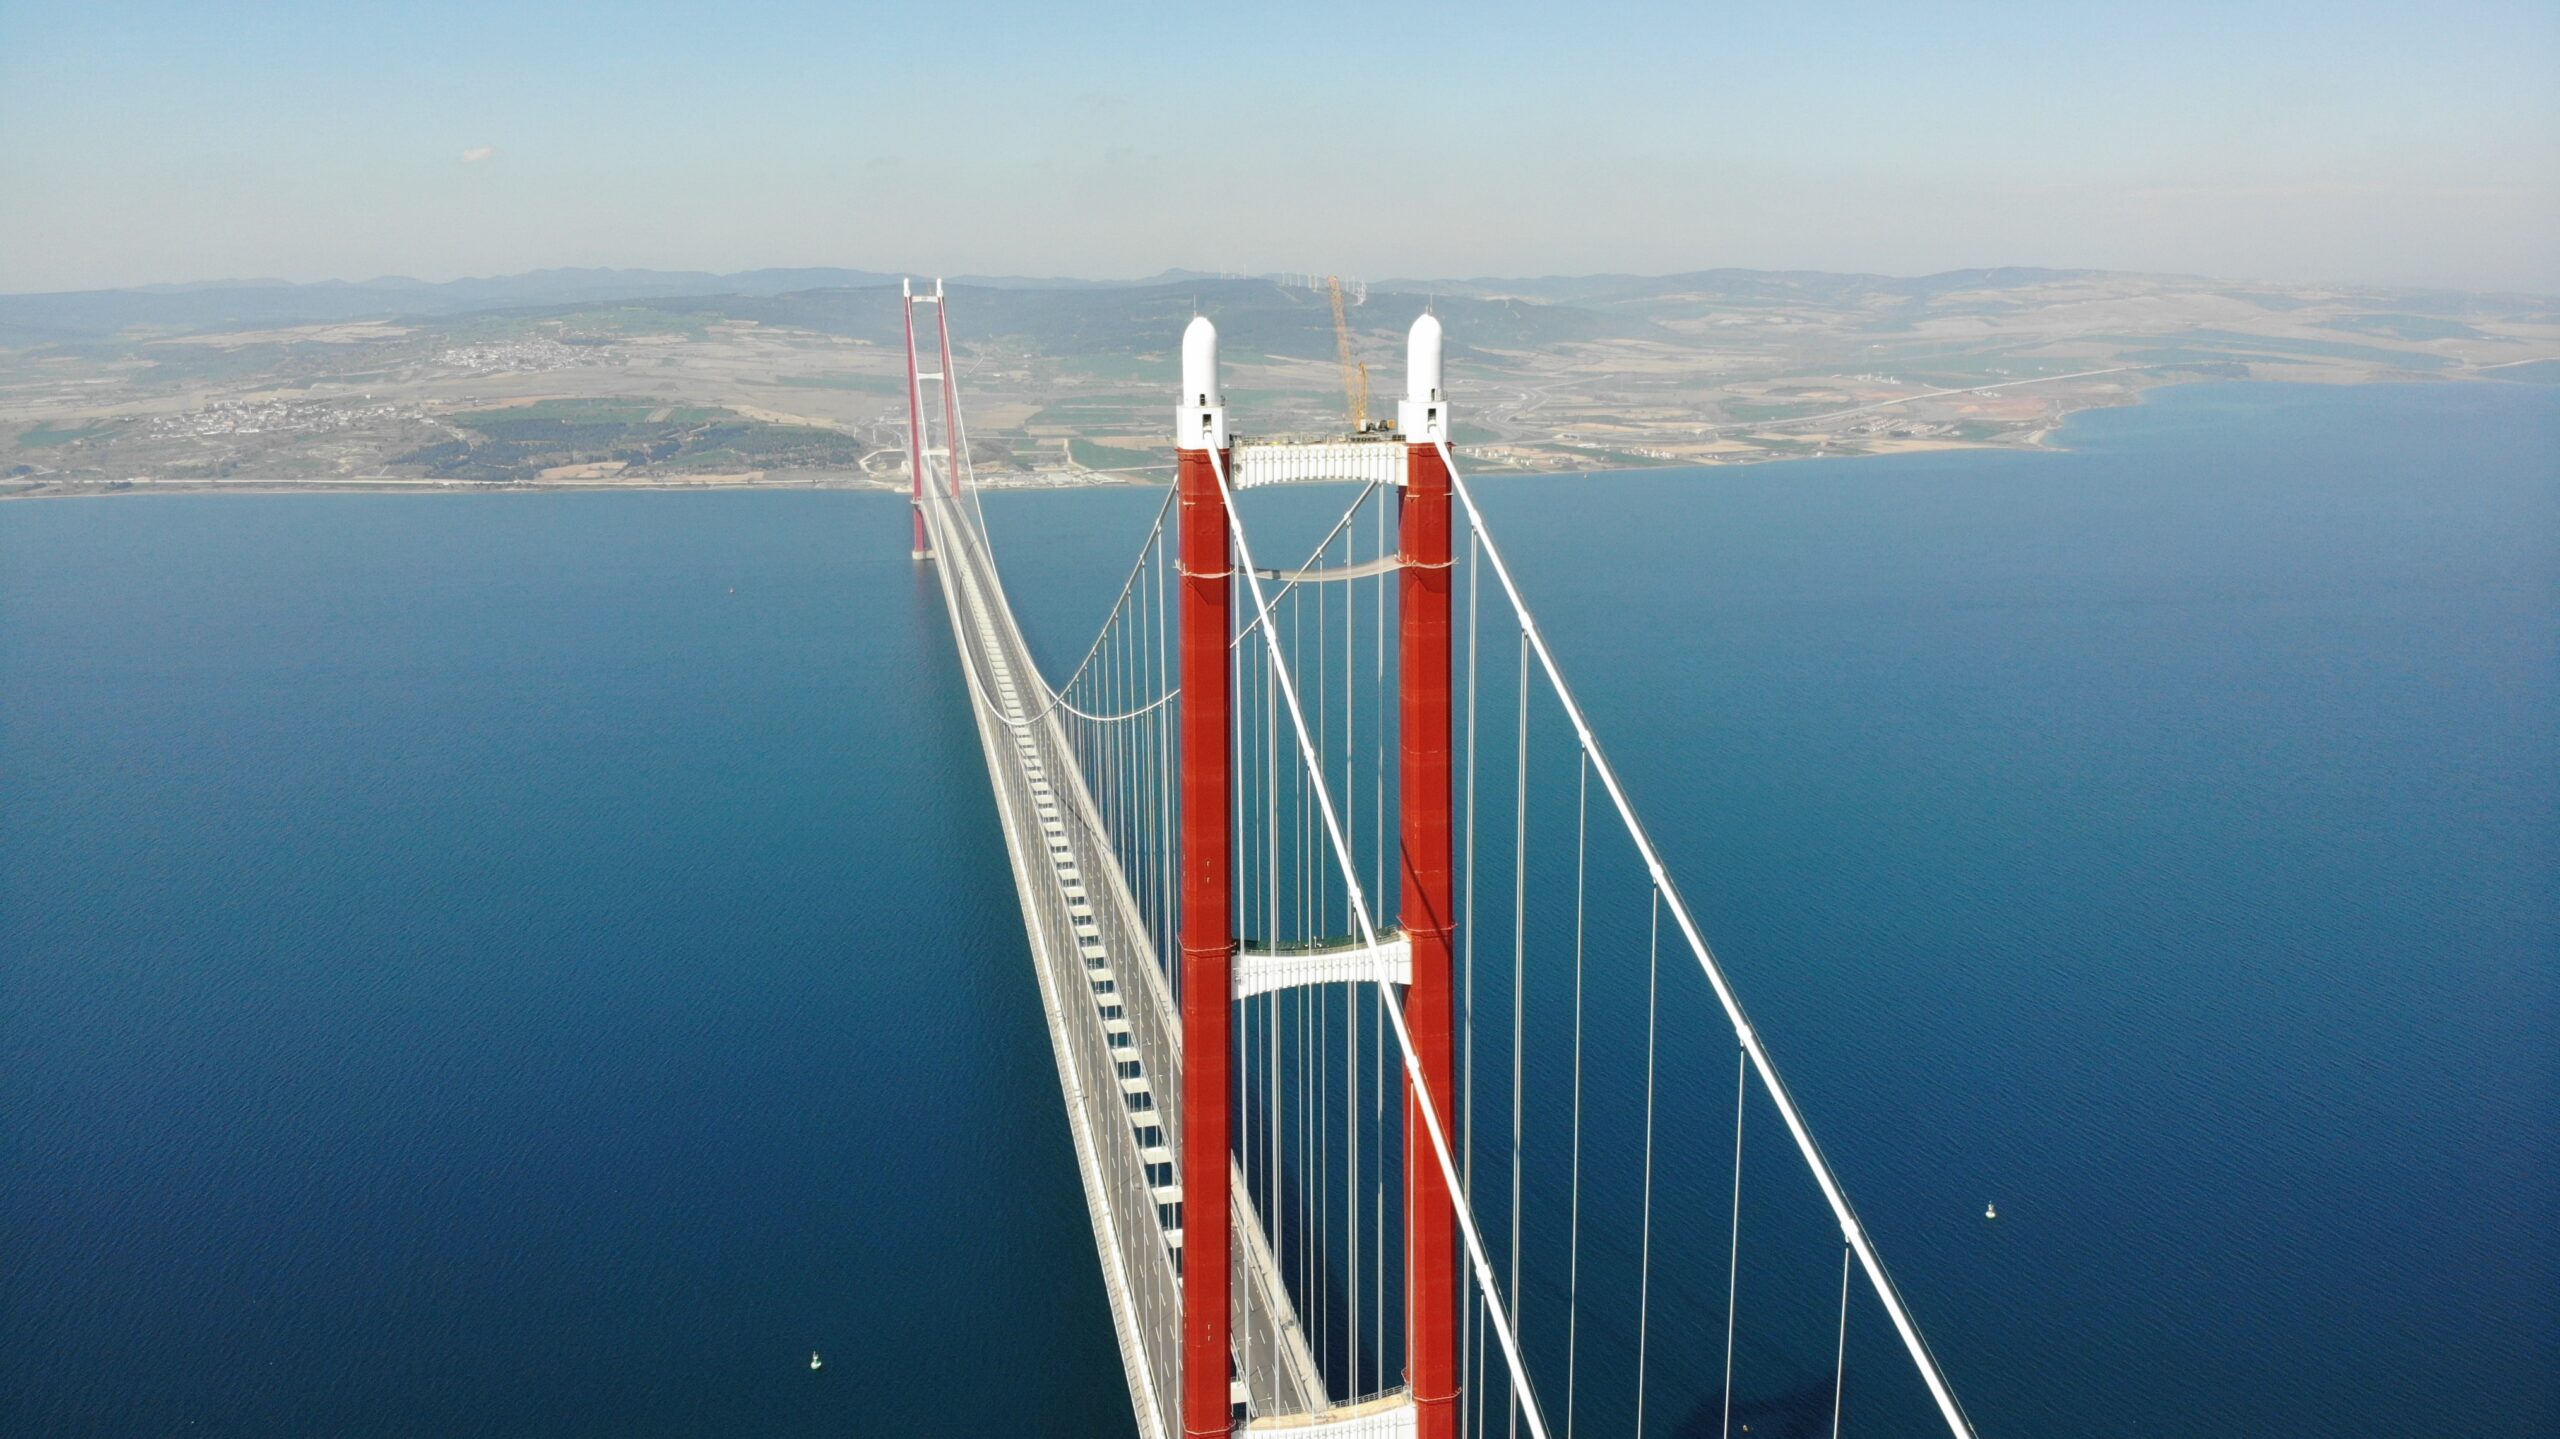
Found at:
(541, 965)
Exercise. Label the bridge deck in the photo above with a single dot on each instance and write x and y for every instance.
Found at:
(1114, 1028)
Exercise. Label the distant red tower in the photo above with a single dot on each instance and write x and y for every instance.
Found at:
(952, 445)
(915, 419)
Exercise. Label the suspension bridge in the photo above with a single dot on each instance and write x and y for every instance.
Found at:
(1377, 1015)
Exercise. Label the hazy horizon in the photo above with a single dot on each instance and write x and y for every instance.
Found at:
(879, 274)
(2357, 145)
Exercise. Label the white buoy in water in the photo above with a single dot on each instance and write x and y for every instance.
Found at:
(814, 1361)
(1989, 1211)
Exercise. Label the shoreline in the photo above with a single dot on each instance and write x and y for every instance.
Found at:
(2040, 440)
(115, 489)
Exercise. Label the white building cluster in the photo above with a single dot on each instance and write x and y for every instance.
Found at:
(277, 417)
(518, 357)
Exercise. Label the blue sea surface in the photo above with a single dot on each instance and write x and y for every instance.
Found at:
(2160, 839)
(541, 965)
(526, 965)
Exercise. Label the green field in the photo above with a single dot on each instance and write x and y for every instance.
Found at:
(1745, 411)
(44, 436)
(861, 384)
(1783, 445)
(1108, 457)
(624, 320)
(1089, 412)
(519, 443)
(596, 412)
(1158, 367)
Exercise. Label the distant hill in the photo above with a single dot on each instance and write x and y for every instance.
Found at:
(75, 315)
(233, 304)
(1059, 315)
(1747, 286)
(1103, 314)
(1254, 316)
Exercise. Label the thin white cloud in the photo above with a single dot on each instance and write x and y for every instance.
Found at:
(478, 153)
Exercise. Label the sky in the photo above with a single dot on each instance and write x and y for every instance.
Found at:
(2409, 145)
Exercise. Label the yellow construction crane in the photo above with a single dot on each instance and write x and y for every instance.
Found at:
(1355, 375)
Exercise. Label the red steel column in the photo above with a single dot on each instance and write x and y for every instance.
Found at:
(1429, 915)
(915, 420)
(1208, 890)
(950, 398)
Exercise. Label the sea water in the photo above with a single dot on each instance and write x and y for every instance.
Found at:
(541, 965)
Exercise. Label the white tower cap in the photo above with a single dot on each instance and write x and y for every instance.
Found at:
(1200, 413)
(1423, 416)
(1200, 363)
(1422, 360)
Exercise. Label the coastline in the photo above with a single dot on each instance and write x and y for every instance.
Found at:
(2042, 439)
